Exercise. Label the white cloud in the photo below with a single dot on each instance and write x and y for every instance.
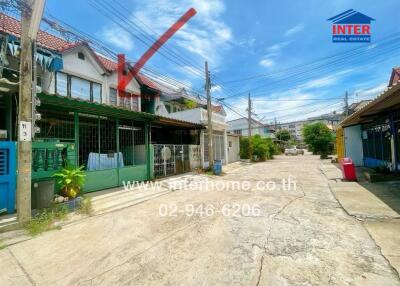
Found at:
(277, 47)
(294, 30)
(373, 91)
(273, 51)
(325, 81)
(118, 37)
(216, 88)
(205, 35)
(267, 62)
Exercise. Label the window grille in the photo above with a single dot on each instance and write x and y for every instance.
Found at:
(132, 142)
(88, 138)
(113, 96)
(218, 146)
(56, 126)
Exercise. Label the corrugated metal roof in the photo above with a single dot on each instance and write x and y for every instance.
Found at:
(388, 94)
(83, 106)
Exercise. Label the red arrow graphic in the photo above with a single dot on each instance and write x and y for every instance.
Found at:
(123, 79)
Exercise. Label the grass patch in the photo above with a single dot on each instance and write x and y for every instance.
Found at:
(45, 219)
(2, 246)
(86, 207)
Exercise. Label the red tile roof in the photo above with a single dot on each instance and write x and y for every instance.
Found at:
(395, 76)
(146, 81)
(217, 108)
(46, 40)
(12, 26)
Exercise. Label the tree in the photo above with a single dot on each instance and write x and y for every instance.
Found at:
(318, 137)
(283, 135)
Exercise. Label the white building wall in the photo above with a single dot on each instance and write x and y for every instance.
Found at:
(242, 125)
(353, 144)
(89, 69)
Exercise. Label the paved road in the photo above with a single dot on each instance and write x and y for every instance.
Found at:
(299, 237)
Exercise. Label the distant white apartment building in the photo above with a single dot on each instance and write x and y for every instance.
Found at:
(240, 126)
(296, 127)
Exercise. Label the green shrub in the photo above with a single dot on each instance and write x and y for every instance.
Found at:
(263, 148)
(244, 148)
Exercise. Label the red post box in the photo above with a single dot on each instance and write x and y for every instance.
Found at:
(348, 169)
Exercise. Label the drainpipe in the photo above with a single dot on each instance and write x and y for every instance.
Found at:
(147, 130)
(117, 142)
(394, 143)
(76, 133)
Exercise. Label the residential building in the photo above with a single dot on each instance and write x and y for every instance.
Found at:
(240, 126)
(85, 120)
(356, 106)
(182, 106)
(371, 135)
(296, 127)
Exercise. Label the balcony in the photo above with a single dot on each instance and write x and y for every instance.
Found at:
(199, 115)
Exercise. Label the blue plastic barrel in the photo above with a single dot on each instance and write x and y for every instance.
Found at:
(217, 167)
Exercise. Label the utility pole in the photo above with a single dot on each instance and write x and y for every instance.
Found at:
(249, 122)
(31, 15)
(346, 104)
(209, 117)
(249, 115)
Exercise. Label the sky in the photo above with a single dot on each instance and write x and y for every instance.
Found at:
(281, 52)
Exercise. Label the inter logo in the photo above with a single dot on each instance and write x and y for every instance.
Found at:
(351, 27)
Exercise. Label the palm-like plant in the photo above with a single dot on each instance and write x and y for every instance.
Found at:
(71, 179)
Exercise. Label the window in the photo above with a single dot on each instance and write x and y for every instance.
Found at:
(81, 56)
(61, 84)
(80, 88)
(96, 92)
(129, 101)
(113, 96)
(72, 86)
(239, 132)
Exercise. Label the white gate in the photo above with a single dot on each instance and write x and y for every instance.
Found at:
(171, 159)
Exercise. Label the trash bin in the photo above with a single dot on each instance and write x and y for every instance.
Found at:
(348, 169)
(42, 194)
(217, 167)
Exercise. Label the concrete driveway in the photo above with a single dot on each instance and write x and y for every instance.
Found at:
(251, 236)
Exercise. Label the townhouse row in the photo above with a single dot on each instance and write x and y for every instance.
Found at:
(150, 130)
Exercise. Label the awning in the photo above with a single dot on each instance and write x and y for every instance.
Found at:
(383, 104)
(57, 102)
(72, 104)
(166, 121)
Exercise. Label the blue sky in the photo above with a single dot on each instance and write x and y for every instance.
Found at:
(241, 39)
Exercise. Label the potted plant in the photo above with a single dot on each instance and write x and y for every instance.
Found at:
(71, 179)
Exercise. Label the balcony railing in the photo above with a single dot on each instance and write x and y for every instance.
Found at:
(197, 115)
